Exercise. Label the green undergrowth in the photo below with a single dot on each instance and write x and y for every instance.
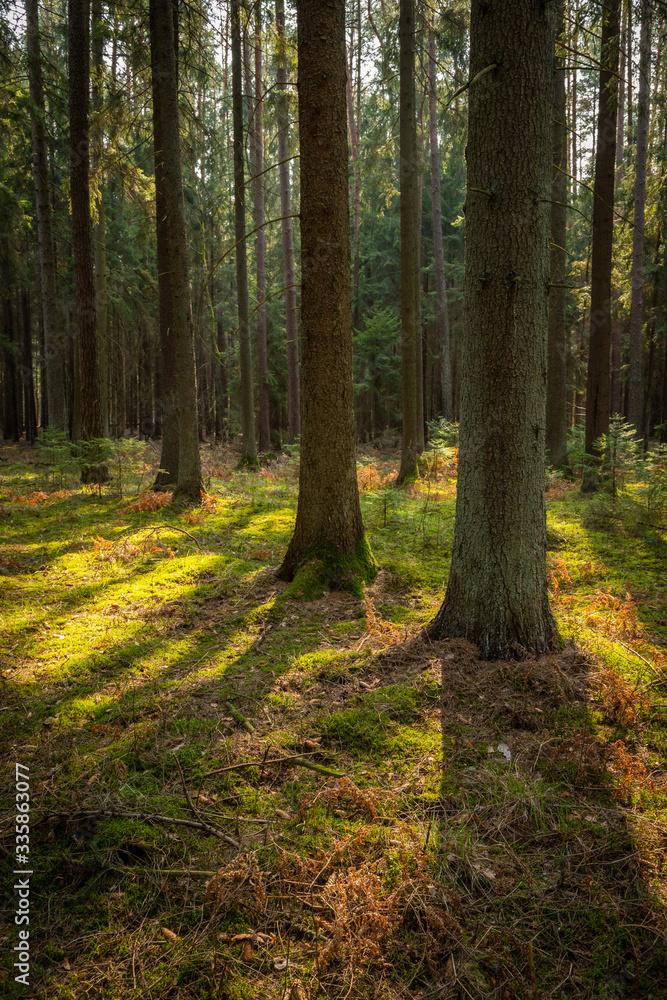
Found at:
(212, 754)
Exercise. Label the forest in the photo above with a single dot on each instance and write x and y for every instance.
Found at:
(333, 499)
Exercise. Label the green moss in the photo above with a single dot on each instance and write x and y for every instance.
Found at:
(327, 568)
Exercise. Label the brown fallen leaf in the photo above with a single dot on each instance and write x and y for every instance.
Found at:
(169, 935)
(282, 814)
(297, 992)
(247, 952)
(65, 964)
(244, 937)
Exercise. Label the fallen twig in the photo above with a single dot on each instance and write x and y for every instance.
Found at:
(297, 759)
(241, 719)
(145, 817)
(204, 824)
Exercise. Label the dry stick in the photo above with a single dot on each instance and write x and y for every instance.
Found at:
(147, 817)
(171, 527)
(205, 825)
(297, 759)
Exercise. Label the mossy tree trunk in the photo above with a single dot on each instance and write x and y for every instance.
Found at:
(556, 434)
(184, 390)
(497, 591)
(329, 527)
(598, 381)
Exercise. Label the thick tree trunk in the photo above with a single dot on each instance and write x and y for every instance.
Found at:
(329, 531)
(409, 185)
(249, 451)
(438, 249)
(79, 71)
(289, 280)
(180, 346)
(54, 391)
(635, 384)
(598, 383)
(497, 591)
(556, 432)
(168, 474)
(100, 250)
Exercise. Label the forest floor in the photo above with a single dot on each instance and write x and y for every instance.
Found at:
(236, 794)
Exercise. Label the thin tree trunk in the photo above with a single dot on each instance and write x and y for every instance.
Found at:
(438, 249)
(409, 186)
(556, 427)
(635, 386)
(328, 534)
(79, 71)
(180, 338)
(54, 391)
(10, 428)
(256, 130)
(249, 451)
(598, 383)
(27, 377)
(289, 280)
(497, 592)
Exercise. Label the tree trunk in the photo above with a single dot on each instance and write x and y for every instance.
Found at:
(54, 391)
(100, 249)
(180, 338)
(256, 169)
(10, 429)
(29, 410)
(438, 249)
(289, 281)
(249, 451)
(556, 432)
(168, 474)
(635, 385)
(79, 71)
(409, 184)
(598, 383)
(328, 534)
(497, 592)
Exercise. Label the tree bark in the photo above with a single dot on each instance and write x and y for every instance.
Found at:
(556, 428)
(180, 343)
(27, 378)
(168, 474)
(79, 72)
(409, 185)
(598, 383)
(328, 534)
(289, 280)
(100, 250)
(256, 129)
(497, 592)
(438, 249)
(53, 343)
(635, 382)
(249, 450)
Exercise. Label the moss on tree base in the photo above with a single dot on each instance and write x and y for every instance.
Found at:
(324, 567)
